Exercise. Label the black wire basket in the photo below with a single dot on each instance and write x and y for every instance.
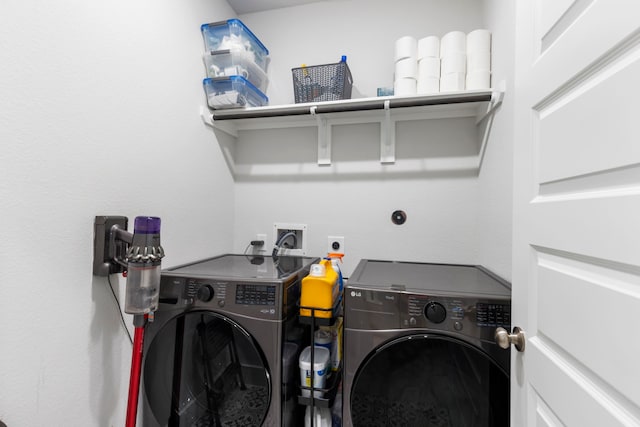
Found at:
(328, 82)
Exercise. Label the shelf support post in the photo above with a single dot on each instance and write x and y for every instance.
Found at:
(387, 136)
(324, 138)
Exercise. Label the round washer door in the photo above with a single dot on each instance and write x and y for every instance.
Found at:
(203, 369)
(429, 381)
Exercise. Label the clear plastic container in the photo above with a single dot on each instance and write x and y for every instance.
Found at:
(142, 290)
(233, 34)
(232, 92)
(235, 62)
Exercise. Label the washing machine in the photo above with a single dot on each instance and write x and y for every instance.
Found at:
(213, 353)
(419, 346)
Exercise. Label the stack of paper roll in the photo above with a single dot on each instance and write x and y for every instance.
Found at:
(453, 56)
(454, 62)
(428, 65)
(478, 60)
(406, 66)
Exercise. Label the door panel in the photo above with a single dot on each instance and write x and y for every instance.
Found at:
(575, 289)
(576, 279)
(551, 11)
(601, 224)
(592, 146)
(600, 31)
(573, 398)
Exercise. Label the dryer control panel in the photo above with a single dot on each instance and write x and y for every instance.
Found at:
(382, 310)
(467, 316)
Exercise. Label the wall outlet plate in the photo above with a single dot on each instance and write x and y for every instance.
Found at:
(335, 245)
(260, 249)
(296, 244)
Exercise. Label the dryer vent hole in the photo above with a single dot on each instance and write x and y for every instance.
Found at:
(398, 217)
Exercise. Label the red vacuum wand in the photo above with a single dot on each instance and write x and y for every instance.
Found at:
(142, 296)
(139, 322)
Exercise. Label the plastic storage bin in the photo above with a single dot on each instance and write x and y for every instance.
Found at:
(329, 82)
(319, 371)
(232, 92)
(233, 34)
(235, 62)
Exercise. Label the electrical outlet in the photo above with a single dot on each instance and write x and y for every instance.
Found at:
(335, 244)
(262, 237)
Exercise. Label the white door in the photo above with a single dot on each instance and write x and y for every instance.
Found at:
(576, 281)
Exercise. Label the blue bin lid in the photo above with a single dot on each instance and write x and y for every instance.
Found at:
(236, 79)
(239, 23)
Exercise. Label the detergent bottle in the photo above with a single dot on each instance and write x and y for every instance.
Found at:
(320, 289)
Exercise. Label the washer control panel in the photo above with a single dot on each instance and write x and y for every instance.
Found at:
(260, 300)
(251, 294)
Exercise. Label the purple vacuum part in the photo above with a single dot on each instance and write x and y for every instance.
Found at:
(146, 225)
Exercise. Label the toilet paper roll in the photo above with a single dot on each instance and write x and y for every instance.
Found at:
(406, 47)
(478, 61)
(479, 41)
(407, 67)
(428, 67)
(478, 80)
(452, 82)
(404, 87)
(453, 63)
(428, 85)
(429, 47)
(453, 42)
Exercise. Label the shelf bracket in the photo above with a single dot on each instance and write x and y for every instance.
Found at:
(496, 99)
(484, 119)
(207, 119)
(387, 136)
(324, 138)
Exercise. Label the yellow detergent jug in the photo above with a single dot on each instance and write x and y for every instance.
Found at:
(319, 290)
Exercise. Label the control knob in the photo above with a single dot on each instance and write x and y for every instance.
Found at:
(205, 293)
(435, 312)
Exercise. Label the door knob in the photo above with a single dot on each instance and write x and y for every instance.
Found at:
(504, 338)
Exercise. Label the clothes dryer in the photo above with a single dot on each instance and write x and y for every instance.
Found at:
(213, 353)
(419, 346)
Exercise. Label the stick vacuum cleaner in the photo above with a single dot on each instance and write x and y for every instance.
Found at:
(142, 294)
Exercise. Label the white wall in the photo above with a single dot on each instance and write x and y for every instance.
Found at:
(364, 30)
(99, 114)
(92, 94)
(454, 215)
(496, 175)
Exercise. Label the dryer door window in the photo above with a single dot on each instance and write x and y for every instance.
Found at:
(203, 369)
(429, 381)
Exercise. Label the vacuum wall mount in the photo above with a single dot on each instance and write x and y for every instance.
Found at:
(110, 244)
